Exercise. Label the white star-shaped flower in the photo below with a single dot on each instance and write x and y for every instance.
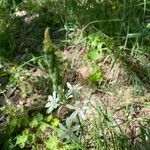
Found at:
(52, 102)
(73, 90)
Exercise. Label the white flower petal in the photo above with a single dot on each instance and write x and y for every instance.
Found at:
(54, 95)
(56, 105)
(70, 106)
(49, 110)
(52, 102)
(82, 116)
(50, 98)
(73, 89)
(48, 104)
(85, 107)
(69, 86)
(79, 88)
(74, 115)
(69, 92)
(70, 96)
(57, 99)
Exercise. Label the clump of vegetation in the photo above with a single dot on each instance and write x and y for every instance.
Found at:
(74, 74)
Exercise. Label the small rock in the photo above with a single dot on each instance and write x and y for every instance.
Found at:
(83, 72)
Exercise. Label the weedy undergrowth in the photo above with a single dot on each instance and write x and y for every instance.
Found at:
(107, 131)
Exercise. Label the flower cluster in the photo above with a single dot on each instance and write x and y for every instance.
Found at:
(73, 90)
(54, 101)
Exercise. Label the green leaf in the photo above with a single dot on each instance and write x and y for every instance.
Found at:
(31, 138)
(55, 122)
(15, 122)
(52, 143)
(25, 120)
(43, 126)
(96, 76)
(39, 117)
(49, 118)
(33, 123)
(26, 131)
(93, 55)
(21, 140)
